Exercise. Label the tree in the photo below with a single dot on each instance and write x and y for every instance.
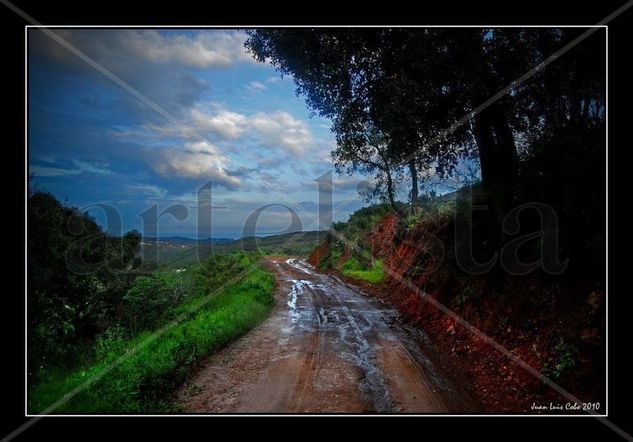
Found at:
(366, 152)
(337, 71)
(361, 78)
(423, 90)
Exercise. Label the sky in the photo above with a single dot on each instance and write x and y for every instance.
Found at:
(191, 106)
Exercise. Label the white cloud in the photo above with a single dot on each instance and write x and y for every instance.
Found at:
(91, 168)
(209, 48)
(80, 167)
(154, 131)
(226, 124)
(41, 171)
(195, 160)
(339, 185)
(256, 86)
(178, 151)
(281, 130)
(274, 130)
(279, 78)
(148, 190)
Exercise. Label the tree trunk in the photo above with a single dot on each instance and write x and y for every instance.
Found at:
(414, 185)
(390, 187)
(390, 192)
(497, 156)
(494, 137)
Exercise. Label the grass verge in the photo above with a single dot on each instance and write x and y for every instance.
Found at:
(144, 382)
(373, 275)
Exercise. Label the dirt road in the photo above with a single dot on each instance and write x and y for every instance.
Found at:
(327, 347)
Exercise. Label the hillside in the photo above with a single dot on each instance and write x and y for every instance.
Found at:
(554, 324)
(181, 250)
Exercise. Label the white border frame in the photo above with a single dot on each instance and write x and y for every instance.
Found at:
(243, 27)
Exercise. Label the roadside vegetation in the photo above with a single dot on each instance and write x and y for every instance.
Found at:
(554, 322)
(374, 274)
(348, 249)
(516, 242)
(135, 331)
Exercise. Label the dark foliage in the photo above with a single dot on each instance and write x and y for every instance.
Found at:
(422, 91)
(78, 276)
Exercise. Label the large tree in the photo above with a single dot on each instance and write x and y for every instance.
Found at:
(423, 90)
(340, 74)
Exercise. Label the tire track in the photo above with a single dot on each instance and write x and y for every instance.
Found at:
(327, 347)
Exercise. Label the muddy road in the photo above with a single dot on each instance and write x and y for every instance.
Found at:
(326, 348)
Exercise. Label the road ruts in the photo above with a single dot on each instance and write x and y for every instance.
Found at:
(326, 348)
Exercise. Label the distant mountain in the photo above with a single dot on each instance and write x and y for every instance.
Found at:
(184, 239)
(181, 250)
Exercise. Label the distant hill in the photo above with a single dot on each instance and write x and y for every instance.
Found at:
(177, 250)
(184, 239)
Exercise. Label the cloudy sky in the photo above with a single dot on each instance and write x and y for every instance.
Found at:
(198, 108)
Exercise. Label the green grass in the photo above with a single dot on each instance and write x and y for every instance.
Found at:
(147, 377)
(373, 275)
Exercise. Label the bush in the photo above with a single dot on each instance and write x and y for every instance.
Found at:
(563, 361)
(145, 379)
(77, 277)
(110, 343)
(431, 209)
(150, 297)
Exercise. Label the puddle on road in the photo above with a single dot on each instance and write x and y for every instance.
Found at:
(300, 265)
(351, 329)
(295, 311)
(354, 325)
(372, 385)
(298, 288)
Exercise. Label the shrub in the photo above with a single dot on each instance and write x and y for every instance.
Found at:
(78, 275)
(147, 376)
(563, 360)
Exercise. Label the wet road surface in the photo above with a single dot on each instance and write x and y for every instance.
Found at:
(326, 348)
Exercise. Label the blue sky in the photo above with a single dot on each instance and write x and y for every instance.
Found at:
(223, 118)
